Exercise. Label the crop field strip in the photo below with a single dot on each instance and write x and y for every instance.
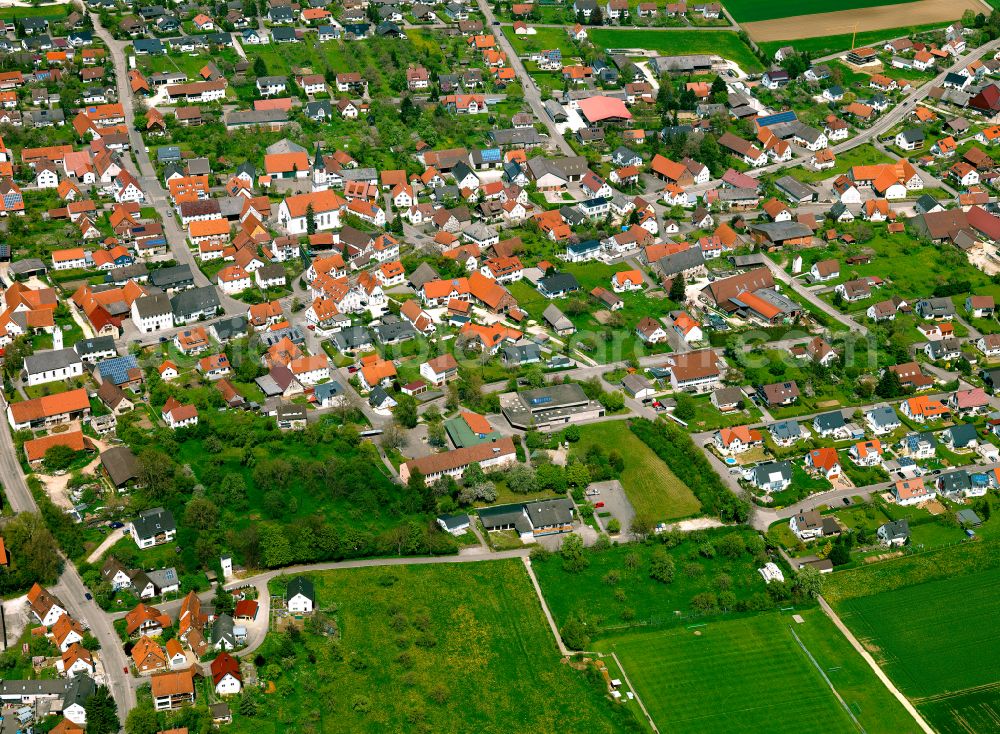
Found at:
(943, 655)
(864, 18)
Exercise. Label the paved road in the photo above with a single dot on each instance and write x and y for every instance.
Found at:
(531, 93)
(827, 308)
(70, 587)
(146, 173)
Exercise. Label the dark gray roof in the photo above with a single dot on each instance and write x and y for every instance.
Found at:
(155, 304)
(194, 300)
(680, 262)
(780, 231)
(550, 512)
(52, 359)
(229, 328)
(96, 345)
(151, 522)
(301, 585)
(120, 464)
(171, 277)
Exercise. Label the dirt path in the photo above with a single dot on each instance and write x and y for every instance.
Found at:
(868, 19)
(828, 610)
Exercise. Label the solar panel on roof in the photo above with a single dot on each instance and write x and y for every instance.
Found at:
(116, 369)
(492, 154)
(788, 116)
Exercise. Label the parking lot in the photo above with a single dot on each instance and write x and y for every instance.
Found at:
(615, 502)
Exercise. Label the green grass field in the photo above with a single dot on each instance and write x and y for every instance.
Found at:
(822, 45)
(925, 636)
(965, 559)
(745, 11)
(460, 647)
(654, 491)
(542, 38)
(750, 675)
(672, 43)
(52, 12)
(615, 592)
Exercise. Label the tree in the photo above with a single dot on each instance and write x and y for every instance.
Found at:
(577, 475)
(640, 527)
(201, 513)
(393, 437)
(143, 719)
(573, 555)
(889, 385)
(102, 713)
(248, 704)
(808, 582)
(310, 220)
(259, 67)
(473, 474)
(58, 457)
(677, 286)
(32, 546)
(521, 479)
(840, 554)
(574, 634)
(436, 435)
(661, 566)
(686, 407)
(406, 411)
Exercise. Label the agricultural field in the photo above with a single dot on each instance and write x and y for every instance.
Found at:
(867, 18)
(944, 655)
(821, 45)
(457, 647)
(672, 43)
(950, 669)
(654, 491)
(961, 713)
(745, 11)
(752, 675)
(615, 592)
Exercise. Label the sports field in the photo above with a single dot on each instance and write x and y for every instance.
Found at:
(866, 17)
(654, 491)
(752, 675)
(677, 43)
(933, 638)
(750, 10)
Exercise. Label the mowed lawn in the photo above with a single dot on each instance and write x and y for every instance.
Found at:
(678, 43)
(933, 638)
(445, 648)
(750, 675)
(654, 491)
(751, 10)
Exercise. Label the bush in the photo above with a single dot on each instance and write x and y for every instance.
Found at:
(661, 566)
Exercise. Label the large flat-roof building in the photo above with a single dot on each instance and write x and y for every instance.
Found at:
(549, 407)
